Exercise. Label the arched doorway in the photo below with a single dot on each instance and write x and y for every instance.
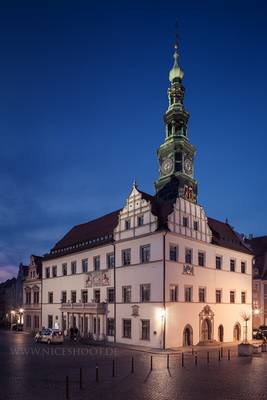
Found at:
(237, 332)
(206, 330)
(220, 333)
(188, 336)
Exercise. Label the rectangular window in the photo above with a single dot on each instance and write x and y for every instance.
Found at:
(218, 262)
(28, 321)
(97, 295)
(145, 335)
(232, 265)
(28, 297)
(188, 256)
(126, 257)
(126, 294)
(140, 220)
(243, 267)
(50, 297)
(173, 292)
(232, 296)
(195, 225)
(110, 260)
(36, 322)
(145, 292)
(201, 258)
(73, 267)
(173, 252)
(110, 327)
(185, 221)
(73, 296)
(47, 272)
(127, 224)
(85, 265)
(218, 296)
(202, 295)
(64, 297)
(54, 271)
(145, 253)
(96, 261)
(94, 325)
(188, 291)
(111, 295)
(127, 328)
(243, 297)
(50, 321)
(36, 297)
(84, 296)
(64, 269)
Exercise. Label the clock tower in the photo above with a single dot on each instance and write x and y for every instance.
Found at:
(176, 154)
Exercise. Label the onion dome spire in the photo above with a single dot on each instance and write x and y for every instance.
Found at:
(176, 72)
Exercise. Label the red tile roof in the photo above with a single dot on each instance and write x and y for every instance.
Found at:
(224, 235)
(100, 231)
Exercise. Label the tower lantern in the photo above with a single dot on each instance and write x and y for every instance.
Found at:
(176, 154)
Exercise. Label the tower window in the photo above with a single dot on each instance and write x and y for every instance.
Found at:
(169, 129)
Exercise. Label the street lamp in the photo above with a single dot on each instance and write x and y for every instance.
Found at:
(21, 311)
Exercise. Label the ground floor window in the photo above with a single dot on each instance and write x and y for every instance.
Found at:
(28, 321)
(50, 321)
(127, 328)
(98, 325)
(110, 327)
(237, 332)
(188, 336)
(145, 334)
(36, 322)
(220, 333)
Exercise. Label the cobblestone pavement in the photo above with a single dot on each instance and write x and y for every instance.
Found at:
(38, 371)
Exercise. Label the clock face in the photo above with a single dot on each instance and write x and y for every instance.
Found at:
(167, 166)
(188, 167)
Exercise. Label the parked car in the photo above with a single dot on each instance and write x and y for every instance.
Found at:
(257, 334)
(49, 336)
(263, 330)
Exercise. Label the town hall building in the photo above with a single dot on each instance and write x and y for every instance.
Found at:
(158, 272)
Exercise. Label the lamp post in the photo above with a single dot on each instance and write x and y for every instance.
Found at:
(21, 311)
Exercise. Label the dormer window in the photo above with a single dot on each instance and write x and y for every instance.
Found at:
(185, 221)
(195, 225)
(140, 220)
(127, 224)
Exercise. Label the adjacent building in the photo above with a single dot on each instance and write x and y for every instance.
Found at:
(258, 246)
(32, 295)
(158, 272)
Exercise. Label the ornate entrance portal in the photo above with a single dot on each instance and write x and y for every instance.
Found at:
(206, 330)
(206, 326)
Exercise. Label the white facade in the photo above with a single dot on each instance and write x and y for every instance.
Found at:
(32, 296)
(159, 301)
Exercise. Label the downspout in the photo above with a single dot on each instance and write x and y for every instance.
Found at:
(164, 290)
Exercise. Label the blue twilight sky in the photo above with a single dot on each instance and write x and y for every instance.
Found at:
(82, 94)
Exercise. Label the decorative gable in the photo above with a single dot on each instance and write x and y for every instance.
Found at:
(136, 217)
(190, 220)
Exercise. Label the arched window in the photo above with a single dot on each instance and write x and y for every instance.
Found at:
(220, 333)
(237, 332)
(188, 336)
